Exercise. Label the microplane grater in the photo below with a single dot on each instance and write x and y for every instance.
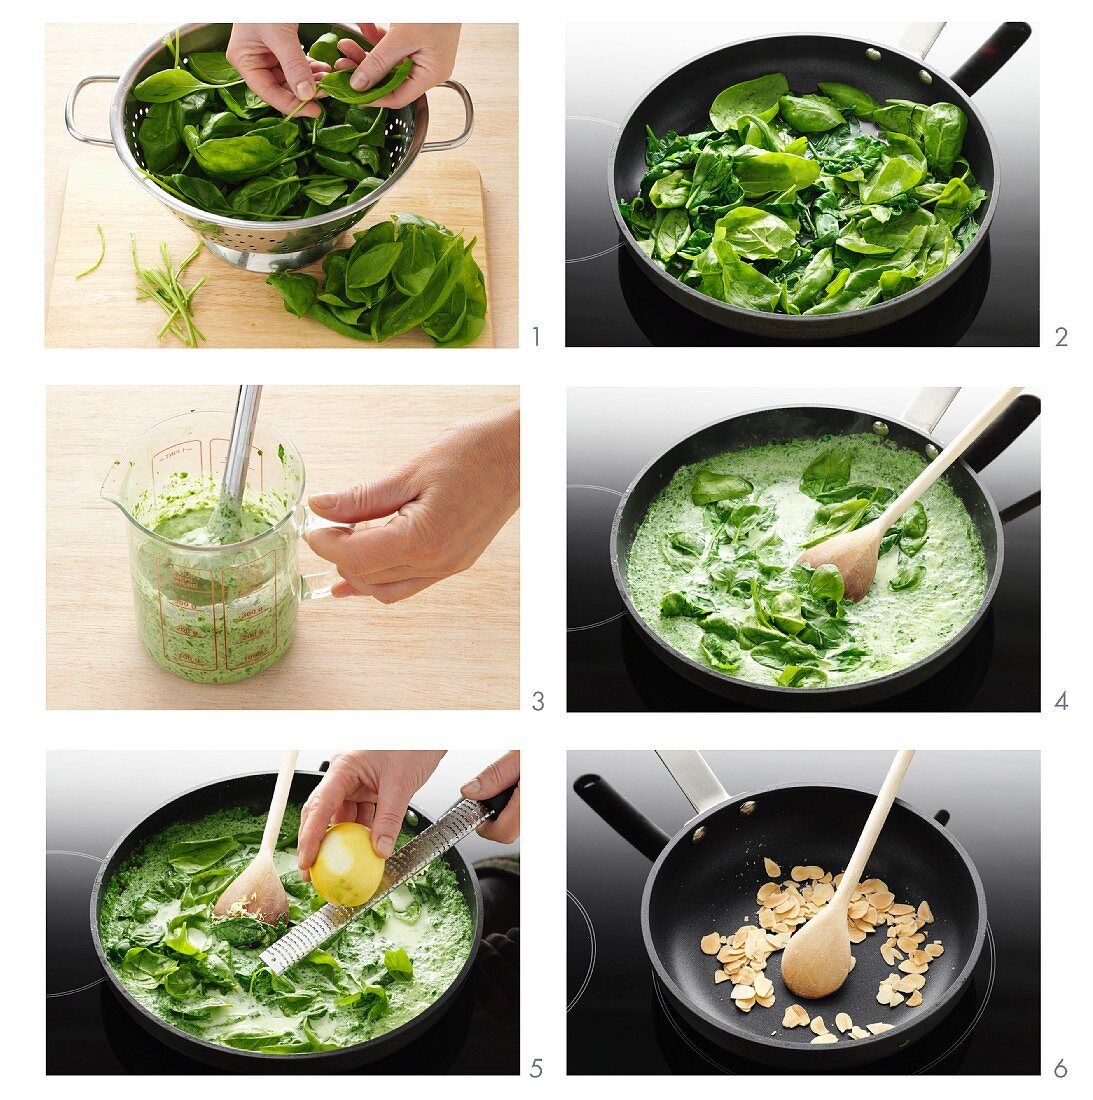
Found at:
(412, 858)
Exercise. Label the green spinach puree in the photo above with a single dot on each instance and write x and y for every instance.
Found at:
(712, 568)
(204, 976)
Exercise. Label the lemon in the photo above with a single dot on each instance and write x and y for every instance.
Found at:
(346, 871)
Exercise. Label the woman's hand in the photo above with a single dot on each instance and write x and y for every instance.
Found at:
(432, 47)
(448, 503)
(271, 60)
(371, 788)
(501, 774)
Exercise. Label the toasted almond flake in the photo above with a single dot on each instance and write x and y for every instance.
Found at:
(799, 873)
(764, 987)
(772, 868)
(743, 993)
(853, 962)
(876, 1029)
(915, 999)
(883, 899)
(745, 1006)
(710, 944)
(910, 983)
(720, 976)
(934, 950)
(858, 1033)
(818, 1026)
(872, 886)
(766, 1002)
(884, 994)
(925, 913)
(857, 936)
(827, 1038)
(895, 999)
(843, 1022)
(909, 967)
(899, 909)
(789, 1017)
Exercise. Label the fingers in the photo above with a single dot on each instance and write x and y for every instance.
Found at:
(385, 593)
(390, 810)
(376, 64)
(284, 43)
(360, 554)
(505, 828)
(382, 496)
(264, 83)
(500, 775)
(328, 796)
(413, 87)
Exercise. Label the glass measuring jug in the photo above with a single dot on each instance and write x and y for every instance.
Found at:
(212, 613)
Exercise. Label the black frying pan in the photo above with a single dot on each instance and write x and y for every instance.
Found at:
(252, 792)
(681, 101)
(775, 425)
(705, 879)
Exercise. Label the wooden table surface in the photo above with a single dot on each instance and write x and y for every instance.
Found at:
(487, 65)
(454, 645)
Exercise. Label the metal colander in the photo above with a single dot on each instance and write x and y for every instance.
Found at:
(256, 245)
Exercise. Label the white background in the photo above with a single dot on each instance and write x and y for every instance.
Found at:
(543, 373)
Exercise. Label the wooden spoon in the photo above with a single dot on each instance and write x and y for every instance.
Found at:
(816, 960)
(258, 888)
(854, 553)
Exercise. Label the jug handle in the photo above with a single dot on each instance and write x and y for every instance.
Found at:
(317, 586)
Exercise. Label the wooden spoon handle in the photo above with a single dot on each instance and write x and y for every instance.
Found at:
(280, 801)
(948, 456)
(878, 816)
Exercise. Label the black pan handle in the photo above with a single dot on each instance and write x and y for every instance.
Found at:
(499, 801)
(991, 56)
(1020, 507)
(1020, 414)
(623, 816)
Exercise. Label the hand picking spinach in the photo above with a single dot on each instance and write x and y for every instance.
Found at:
(807, 204)
(397, 275)
(210, 141)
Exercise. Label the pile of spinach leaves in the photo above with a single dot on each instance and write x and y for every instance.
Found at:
(789, 204)
(739, 580)
(210, 141)
(397, 275)
(195, 966)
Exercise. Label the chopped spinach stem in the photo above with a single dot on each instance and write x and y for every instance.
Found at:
(807, 204)
(166, 290)
(102, 254)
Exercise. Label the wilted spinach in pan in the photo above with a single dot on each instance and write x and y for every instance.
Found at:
(807, 204)
(208, 140)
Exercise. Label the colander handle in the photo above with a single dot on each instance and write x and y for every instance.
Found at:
(468, 126)
(70, 109)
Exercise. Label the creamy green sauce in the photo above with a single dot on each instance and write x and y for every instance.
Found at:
(194, 971)
(895, 628)
(214, 617)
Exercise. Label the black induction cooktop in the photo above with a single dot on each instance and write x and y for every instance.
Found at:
(619, 1021)
(614, 433)
(610, 302)
(89, 1032)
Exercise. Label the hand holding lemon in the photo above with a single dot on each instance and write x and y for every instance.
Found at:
(346, 870)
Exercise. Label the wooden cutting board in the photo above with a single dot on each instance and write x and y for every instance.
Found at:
(234, 309)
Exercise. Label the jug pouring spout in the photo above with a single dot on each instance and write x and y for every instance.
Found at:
(112, 485)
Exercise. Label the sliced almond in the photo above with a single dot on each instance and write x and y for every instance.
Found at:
(764, 987)
(858, 1033)
(827, 1038)
(710, 944)
(843, 1022)
(743, 993)
(766, 1002)
(720, 976)
(876, 1029)
(818, 1026)
(799, 873)
(772, 868)
(915, 999)
(925, 913)
(934, 950)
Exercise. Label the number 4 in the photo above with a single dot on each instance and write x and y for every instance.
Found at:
(1061, 702)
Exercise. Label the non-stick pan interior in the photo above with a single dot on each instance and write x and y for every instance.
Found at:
(763, 426)
(710, 885)
(681, 101)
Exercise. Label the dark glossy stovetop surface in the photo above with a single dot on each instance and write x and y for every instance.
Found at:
(621, 1024)
(614, 433)
(89, 1032)
(610, 301)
